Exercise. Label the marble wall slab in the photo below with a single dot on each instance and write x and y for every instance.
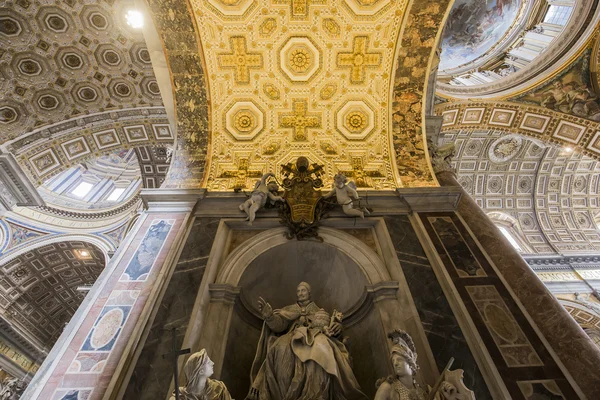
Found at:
(152, 375)
(86, 365)
(517, 351)
(441, 326)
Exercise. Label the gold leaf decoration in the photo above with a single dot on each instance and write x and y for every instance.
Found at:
(267, 26)
(271, 91)
(331, 27)
(328, 91)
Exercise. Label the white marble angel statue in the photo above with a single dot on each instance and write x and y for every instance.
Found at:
(262, 193)
(345, 192)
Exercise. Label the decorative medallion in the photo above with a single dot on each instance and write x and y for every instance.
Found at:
(355, 120)
(267, 26)
(271, 91)
(299, 59)
(244, 120)
(328, 91)
(505, 148)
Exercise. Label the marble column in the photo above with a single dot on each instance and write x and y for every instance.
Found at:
(574, 348)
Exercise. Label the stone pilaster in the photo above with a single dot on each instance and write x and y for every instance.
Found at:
(569, 342)
(95, 352)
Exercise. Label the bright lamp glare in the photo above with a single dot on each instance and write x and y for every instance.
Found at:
(135, 19)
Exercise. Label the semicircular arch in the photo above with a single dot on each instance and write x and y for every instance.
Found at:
(531, 121)
(236, 263)
(103, 244)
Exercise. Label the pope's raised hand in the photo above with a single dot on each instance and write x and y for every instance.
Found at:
(265, 308)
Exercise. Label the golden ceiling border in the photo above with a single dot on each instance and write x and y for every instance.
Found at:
(415, 56)
(182, 47)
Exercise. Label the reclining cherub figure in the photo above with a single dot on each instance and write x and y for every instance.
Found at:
(262, 193)
(345, 192)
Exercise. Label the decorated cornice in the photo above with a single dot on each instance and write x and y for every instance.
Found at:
(541, 123)
(48, 151)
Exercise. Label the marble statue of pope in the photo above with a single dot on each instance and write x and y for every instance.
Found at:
(299, 356)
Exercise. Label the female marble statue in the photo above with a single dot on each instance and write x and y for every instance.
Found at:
(299, 356)
(402, 385)
(198, 369)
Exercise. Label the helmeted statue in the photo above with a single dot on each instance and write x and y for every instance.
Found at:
(402, 385)
(300, 355)
(198, 370)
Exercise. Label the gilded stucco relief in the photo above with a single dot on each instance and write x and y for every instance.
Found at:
(291, 78)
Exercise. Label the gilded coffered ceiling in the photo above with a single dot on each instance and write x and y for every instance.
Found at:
(290, 78)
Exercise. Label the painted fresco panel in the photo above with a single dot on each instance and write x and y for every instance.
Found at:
(474, 27)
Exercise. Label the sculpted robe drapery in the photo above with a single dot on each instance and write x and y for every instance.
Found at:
(303, 363)
(214, 390)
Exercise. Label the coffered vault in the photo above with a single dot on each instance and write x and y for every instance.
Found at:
(286, 79)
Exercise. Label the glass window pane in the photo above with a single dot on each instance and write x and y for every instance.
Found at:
(114, 196)
(558, 15)
(82, 189)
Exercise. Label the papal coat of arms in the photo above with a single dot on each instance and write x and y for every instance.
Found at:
(302, 183)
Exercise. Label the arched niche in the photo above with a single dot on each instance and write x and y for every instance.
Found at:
(345, 274)
(46, 287)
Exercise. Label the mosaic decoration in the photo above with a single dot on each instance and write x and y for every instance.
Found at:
(571, 92)
(144, 257)
(473, 28)
(21, 234)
